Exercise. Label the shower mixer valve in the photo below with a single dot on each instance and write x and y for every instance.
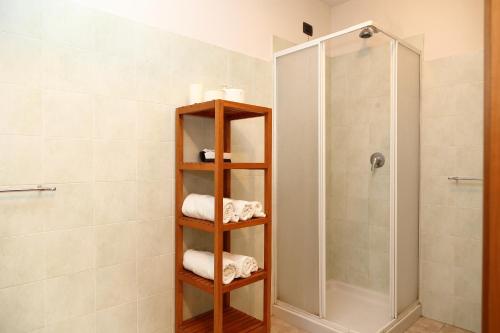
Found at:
(377, 160)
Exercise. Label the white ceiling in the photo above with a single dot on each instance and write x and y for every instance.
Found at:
(335, 2)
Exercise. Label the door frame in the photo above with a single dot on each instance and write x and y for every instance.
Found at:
(491, 231)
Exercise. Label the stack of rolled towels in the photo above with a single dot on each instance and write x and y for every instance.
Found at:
(233, 265)
(202, 206)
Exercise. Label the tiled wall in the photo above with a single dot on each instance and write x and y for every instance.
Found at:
(357, 201)
(86, 104)
(451, 213)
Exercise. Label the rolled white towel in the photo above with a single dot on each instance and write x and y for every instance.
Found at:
(202, 206)
(244, 209)
(258, 209)
(202, 263)
(245, 265)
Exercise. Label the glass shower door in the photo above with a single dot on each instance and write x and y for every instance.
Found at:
(358, 169)
(297, 185)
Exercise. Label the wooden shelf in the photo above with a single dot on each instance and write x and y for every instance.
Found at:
(197, 166)
(208, 226)
(232, 110)
(223, 318)
(235, 321)
(208, 285)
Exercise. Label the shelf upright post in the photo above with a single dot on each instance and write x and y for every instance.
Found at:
(268, 183)
(179, 232)
(218, 231)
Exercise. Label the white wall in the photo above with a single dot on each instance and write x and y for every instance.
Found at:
(451, 27)
(245, 26)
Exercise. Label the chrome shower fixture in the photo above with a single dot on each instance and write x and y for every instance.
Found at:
(368, 32)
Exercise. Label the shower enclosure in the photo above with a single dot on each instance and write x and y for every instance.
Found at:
(347, 117)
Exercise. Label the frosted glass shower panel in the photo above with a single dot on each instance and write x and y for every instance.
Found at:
(297, 179)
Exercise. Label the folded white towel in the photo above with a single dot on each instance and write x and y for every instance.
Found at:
(202, 263)
(202, 206)
(258, 210)
(245, 265)
(244, 209)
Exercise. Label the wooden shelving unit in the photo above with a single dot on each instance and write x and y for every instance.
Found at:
(223, 318)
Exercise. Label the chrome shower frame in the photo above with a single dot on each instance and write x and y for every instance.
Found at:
(290, 313)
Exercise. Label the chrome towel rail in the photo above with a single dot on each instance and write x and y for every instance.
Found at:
(39, 188)
(455, 178)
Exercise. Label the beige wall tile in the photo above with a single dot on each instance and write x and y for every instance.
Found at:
(468, 130)
(437, 278)
(21, 308)
(436, 190)
(21, 113)
(468, 223)
(438, 131)
(432, 305)
(467, 314)
(19, 60)
(154, 275)
(155, 313)
(116, 285)
(467, 252)
(71, 206)
(69, 296)
(468, 284)
(68, 69)
(115, 76)
(437, 248)
(21, 213)
(115, 243)
(67, 160)
(115, 202)
(115, 160)
(155, 237)
(151, 78)
(155, 200)
(155, 161)
(468, 195)
(20, 161)
(82, 324)
(67, 115)
(155, 122)
(120, 319)
(436, 220)
(436, 101)
(115, 119)
(438, 160)
(22, 260)
(70, 251)
(151, 43)
(469, 161)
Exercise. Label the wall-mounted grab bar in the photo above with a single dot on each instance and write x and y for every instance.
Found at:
(39, 188)
(457, 179)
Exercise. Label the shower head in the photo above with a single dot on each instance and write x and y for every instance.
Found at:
(367, 32)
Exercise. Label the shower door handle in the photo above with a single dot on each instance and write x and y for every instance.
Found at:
(377, 160)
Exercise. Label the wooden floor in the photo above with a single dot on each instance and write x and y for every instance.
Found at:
(423, 325)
